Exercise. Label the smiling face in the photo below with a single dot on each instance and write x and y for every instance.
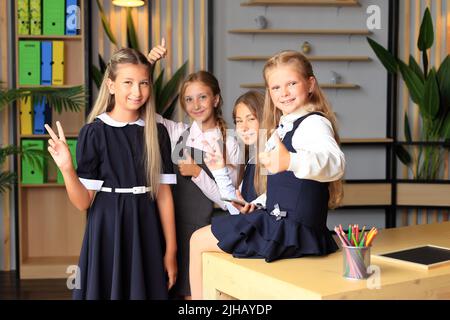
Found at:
(131, 87)
(288, 89)
(199, 102)
(247, 125)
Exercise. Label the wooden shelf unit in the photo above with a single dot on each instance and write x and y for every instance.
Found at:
(323, 86)
(311, 3)
(332, 32)
(310, 58)
(50, 228)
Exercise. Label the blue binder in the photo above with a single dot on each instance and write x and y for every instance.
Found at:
(42, 115)
(72, 17)
(46, 65)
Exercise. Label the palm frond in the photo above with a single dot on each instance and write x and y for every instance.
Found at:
(7, 179)
(67, 99)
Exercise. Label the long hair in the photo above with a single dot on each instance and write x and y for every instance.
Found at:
(254, 100)
(209, 80)
(105, 103)
(316, 102)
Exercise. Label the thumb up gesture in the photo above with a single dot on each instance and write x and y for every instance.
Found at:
(276, 160)
(157, 52)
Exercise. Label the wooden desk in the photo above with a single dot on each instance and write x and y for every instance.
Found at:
(321, 277)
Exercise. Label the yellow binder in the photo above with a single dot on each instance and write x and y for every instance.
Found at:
(26, 116)
(58, 63)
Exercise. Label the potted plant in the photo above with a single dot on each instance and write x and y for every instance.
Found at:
(430, 90)
(71, 99)
(165, 93)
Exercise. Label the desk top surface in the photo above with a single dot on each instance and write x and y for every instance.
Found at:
(321, 277)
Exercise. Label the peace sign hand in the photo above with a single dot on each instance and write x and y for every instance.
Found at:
(213, 156)
(157, 52)
(58, 148)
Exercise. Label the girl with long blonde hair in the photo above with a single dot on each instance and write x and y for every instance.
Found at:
(305, 164)
(121, 154)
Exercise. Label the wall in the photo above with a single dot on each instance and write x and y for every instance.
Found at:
(361, 113)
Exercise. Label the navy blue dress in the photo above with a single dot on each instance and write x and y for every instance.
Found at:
(301, 232)
(123, 247)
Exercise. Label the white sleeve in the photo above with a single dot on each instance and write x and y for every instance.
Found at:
(261, 200)
(175, 129)
(318, 156)
(226, 187)
(209, 188)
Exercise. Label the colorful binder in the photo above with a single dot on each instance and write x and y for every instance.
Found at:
(29, 62)
(72, 17)
(33, 171)
(72, 144)
(54, 17)
(42, 115)
(58, 63)
(46, 63)
(26, 116)
(23, 17)
(35, 17)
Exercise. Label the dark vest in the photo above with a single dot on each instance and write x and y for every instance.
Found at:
(306, 201)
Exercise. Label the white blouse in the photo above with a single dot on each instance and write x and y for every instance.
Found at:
(195, 140)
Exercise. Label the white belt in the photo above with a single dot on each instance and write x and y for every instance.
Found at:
(134, 190)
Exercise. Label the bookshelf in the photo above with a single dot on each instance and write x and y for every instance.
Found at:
(49, 227)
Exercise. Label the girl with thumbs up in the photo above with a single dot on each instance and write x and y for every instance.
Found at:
(305, 167)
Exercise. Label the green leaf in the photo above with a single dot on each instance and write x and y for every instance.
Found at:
(106, 24)
(443, 79)
(169, 111)
(403, 155)
(407, 129)
(413, 82)
(386, 58)
(445, 129)
(431, 95)
(171, 88)
(426, 35)
(416, 68)
(7, 179)
(101, 63)
(425, 63)
(131, 31)
(34, 157)
(97, 76)
(69, 99)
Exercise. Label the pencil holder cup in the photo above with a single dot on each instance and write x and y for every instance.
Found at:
(356, 262)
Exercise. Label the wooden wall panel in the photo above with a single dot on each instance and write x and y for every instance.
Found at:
(5, 245)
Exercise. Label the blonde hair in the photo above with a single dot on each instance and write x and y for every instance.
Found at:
(254, 100)
(209, 80)
(105, 103)
(316, 103)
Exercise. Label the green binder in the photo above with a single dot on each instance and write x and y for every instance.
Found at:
(35, 17)
(72, 143)
(33, 172)
(53, 17)
(23, 17)
(29, 62)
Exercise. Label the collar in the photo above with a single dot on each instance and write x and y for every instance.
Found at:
(291, 117)
(106, 118)
(195, 132)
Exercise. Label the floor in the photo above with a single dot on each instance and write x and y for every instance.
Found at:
(13, 289)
